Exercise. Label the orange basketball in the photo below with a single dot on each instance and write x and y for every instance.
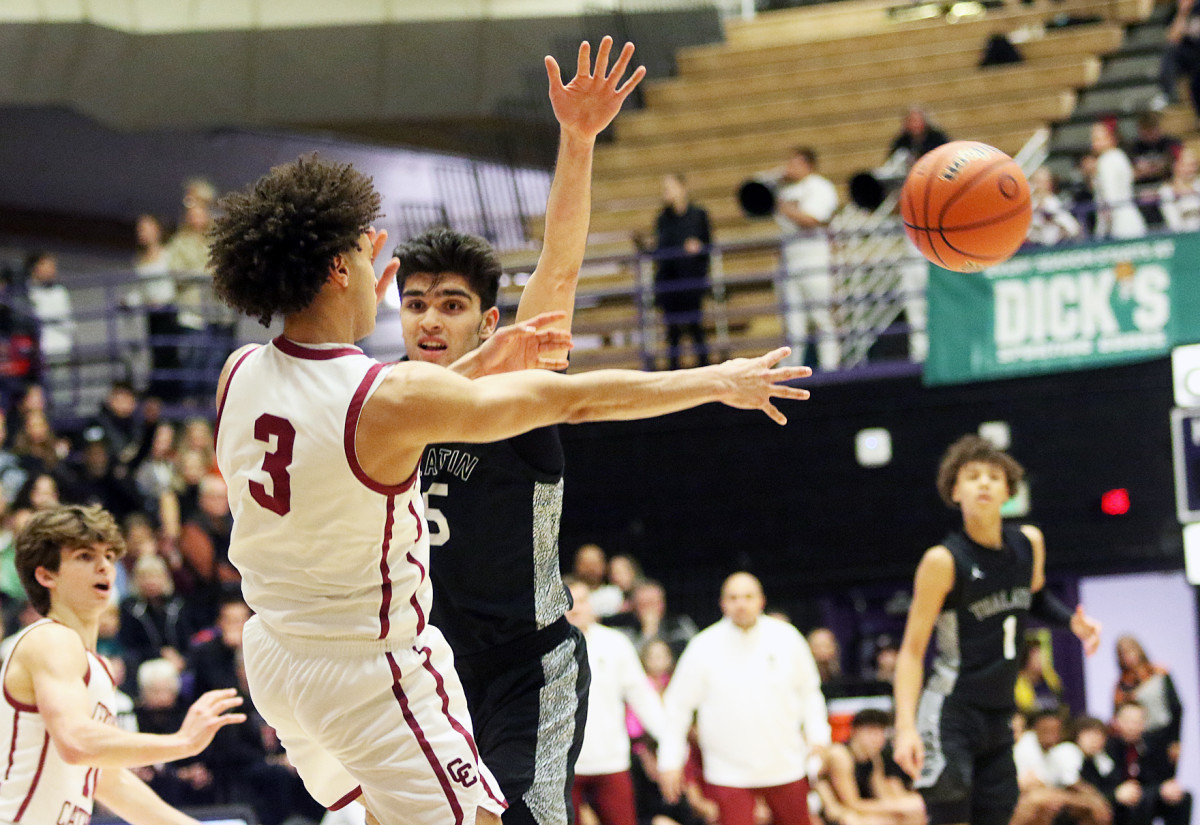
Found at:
(966, 206)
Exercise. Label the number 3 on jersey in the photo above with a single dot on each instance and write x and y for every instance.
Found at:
(439, 528)
(275, 463)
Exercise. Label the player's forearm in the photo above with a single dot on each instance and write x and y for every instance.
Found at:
(907, 689)
(568, 216)
(93, 743)
(133, 800)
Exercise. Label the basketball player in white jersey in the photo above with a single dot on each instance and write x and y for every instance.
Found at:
(59, 746)
(320, 446)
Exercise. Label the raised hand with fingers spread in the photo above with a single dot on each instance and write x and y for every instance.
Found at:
(586, 105)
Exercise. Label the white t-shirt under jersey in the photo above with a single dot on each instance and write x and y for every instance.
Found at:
(324, 551)
(36, 785)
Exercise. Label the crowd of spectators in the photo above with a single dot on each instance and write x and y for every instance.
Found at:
(188, 334)
(1071, 768)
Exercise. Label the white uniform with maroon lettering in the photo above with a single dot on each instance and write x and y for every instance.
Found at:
(339, 658)
(36, 785)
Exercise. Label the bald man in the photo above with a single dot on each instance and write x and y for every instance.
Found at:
(753, 686)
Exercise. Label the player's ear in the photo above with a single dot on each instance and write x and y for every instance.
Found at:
(43, 576)
(487, 324)
(339, 270)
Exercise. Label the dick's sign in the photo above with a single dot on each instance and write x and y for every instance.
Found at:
(1064, 309)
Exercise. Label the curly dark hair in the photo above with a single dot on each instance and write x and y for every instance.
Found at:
(442, 250)
(974, 448)
(272, 246)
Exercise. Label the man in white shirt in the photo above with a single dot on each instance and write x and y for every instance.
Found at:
(1117, 214)
(1048, 774)
(752, 683)
(804, 206)
(52, 306)
(602, 777)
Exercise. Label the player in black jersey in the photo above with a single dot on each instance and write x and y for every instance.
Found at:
(493, 509)
(976, 588)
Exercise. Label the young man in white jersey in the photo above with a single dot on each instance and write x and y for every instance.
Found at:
(63, 749)
(320, 446)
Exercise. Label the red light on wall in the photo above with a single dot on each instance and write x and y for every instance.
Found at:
(1115, 502)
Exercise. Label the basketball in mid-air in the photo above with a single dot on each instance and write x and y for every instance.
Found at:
(966, 206)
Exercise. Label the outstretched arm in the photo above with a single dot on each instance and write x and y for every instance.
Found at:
(419, 404)
(55, 667)
(584, 108)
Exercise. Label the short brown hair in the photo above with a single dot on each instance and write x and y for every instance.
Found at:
(50, 532)
(974, 448)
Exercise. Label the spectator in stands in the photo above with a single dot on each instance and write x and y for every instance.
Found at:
(827, 653)
(1038, 687)
(156, 474)
(693, 808)
(753, 685)
(39, 493)
(52, 306)
(1153, 150)
(681, 264)
(12, 474)
(1179, 198)
(181, 503)
(1146, 785)
(625, 572)
(917, 136)
(160, 710)
(154, 622)
(36, 446)
(805, 204)
(187, 258)
(867, 787)
(99, 479)
(156, 293)
(204, 545)
(123, 705)
(650, 621)
(1052, 222)
(198, 435)
(886, 649)
(1182, 53)
(1098, 768)
(591, 568)
(1151, 687)
(12, 592)
(1117, 214)
(19, 358)
(602, 771)
(1048, 774)
(120, 423)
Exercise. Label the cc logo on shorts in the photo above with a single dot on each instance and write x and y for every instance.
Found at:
(461, 772)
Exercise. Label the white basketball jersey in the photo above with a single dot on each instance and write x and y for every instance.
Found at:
(324, 551)
(36, 785)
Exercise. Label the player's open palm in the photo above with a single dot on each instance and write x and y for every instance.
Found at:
(207, 715)
(586, 105)
(755, 383)
(528, 345)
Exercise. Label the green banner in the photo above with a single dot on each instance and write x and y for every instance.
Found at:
(1064, 309)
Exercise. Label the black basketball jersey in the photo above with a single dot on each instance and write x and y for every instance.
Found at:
(982, 623)
(493, 512)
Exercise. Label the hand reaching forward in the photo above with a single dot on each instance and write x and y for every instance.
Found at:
(753, 383)
(207, 715)
(525, 346)
(1086, 629)
(586, 105)
(378, 242)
